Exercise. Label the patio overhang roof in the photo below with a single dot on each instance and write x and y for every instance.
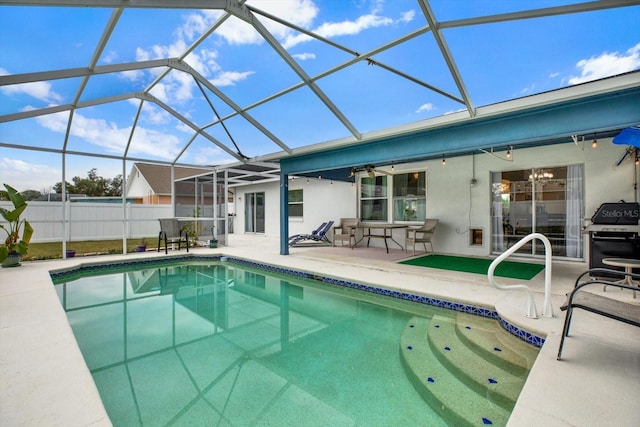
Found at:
(601, 108)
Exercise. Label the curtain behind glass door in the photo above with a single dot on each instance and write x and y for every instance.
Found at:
(249, 212)
(260, 213)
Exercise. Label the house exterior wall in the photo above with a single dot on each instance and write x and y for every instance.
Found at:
(137, 186)
(323, 201)
(451, 198)
(460, 206)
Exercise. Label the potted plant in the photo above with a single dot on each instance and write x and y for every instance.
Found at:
(213, 243)
(15, 245)
(142, 246)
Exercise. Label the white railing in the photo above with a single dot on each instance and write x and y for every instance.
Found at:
(532, 312)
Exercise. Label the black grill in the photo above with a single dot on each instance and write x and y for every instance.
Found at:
(613, 233)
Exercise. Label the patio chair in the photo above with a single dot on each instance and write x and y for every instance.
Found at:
(346, 230)
(170, 232)
(581, 297)
(319, 235)
(423, 235)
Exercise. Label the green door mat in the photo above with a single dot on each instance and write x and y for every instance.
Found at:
(511, 269)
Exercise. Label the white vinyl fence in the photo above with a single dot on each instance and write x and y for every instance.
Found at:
(91, 221)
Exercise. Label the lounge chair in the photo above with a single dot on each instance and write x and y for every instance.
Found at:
(170, 232)
(423, 235)
(616, 309)
(319, 235)
(346, 230)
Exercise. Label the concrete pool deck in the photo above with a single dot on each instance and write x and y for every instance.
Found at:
(44, 381)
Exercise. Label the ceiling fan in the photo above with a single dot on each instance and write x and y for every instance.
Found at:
(370, 169)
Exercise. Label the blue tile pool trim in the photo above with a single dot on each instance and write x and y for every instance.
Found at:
(523, 334)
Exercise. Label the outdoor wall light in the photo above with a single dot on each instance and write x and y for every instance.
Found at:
(444, 161)
(507, 156)
(594, 144)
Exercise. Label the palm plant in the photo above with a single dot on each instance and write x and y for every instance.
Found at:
(14, 243)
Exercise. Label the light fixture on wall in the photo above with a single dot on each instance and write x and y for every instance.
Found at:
(444, 161)
(594, 143)
(393, 167)
(507, 157)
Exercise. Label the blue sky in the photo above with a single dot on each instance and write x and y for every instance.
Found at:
(497, 62)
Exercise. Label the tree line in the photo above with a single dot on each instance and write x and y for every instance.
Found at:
(92, 185)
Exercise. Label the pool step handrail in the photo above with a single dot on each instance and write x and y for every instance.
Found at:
(532, 312)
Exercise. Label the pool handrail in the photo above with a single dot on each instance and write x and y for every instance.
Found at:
(532, 312)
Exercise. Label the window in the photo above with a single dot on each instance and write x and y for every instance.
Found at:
(295, 203)
(373, 198)
(410, 196)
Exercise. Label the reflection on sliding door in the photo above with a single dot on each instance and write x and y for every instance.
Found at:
(547, 201)
(254, 213)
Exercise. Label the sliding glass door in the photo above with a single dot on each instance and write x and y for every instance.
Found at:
(254, 213)
(541, 200)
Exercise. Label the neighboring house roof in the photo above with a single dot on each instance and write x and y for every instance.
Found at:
(159, 176)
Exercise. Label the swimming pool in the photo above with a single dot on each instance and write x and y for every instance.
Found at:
(198, 341)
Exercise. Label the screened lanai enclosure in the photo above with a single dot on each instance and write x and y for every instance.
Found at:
(231, 86)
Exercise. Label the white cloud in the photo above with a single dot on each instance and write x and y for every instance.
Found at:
(206, 155)
(304, 56)
(132, 75)
(159, 91)
(553, 75)
(425, 107)
(408, 16)
(155, 115)
(110, 57)
(298, 12)
(28, 176)
(38, 90)
(607, 64)
(112, 138)
(335, 29)
(230, 78)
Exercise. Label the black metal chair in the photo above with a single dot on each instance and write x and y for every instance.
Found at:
(616, 309)
(170, 232)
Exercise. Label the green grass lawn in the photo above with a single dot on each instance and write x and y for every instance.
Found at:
(53, 250)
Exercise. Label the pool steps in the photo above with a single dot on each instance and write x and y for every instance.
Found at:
(481, 335)
(449, 371)
(481, 375)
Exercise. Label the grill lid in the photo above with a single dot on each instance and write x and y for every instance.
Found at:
(620, 213)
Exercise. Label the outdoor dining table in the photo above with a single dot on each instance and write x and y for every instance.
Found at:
(628, 264)
(379, 231)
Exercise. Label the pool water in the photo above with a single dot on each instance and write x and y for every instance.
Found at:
(211, 343)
